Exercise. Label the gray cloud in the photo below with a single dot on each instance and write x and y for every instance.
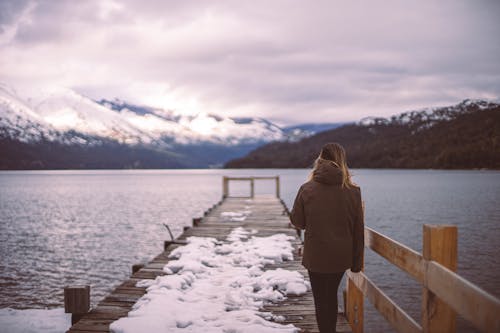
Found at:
(290, 61)
(9, 11)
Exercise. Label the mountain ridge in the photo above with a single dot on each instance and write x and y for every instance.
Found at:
(463, 136)
(71, 123)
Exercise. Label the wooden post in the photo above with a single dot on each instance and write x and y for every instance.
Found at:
(354, 307)
(196, 221)
(225, 187)
(136, 268)
(252, 187)
(440, 245)
(208, 211)
(76, 301)
(277, 186)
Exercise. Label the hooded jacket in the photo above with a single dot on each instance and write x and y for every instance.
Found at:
(332, 217)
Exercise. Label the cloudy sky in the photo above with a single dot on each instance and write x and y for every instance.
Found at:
(288, 61)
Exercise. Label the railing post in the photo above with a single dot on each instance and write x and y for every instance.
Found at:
(225, 187)
(440, 245)
(277, 186)
(252, 187)
(354, 306)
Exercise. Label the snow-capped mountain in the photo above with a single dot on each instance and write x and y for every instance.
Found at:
(59, 128)
(112, 133)
(428, 117)
(203, 127)
(62, 110)
(18, 120)
(65, 110)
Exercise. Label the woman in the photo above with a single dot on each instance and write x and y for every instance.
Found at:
(329, 208)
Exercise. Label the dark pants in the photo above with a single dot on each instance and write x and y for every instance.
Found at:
(324, 287)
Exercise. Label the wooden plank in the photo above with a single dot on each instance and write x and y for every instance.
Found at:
(439, 244)
(396, 253)
(398, 318)
(95, 325)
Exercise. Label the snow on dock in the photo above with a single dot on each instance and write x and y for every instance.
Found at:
(237, 270)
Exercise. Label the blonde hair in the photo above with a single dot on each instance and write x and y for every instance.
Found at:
(335, 154)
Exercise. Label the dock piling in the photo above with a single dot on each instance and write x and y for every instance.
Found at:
(136, 268)
(76, 301)
(196, 221)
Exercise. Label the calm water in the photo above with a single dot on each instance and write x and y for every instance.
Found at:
(67, 227)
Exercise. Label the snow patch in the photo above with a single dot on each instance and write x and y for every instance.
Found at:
(34, 320)
(238, 216)
(214, 286)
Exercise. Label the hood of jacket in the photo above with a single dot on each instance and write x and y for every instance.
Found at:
(327, 173)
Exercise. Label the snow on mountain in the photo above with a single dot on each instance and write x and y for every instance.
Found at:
(202, 127)
(66, 110)
(298, 132)
(18, 121)
(428, 117)
(55, 112)
(61, 114)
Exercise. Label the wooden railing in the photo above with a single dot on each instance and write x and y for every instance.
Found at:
(444, 294)
(225, 184)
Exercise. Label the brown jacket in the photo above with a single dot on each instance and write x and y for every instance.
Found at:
(333, 219)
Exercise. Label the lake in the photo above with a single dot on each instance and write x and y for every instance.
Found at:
(74, 227)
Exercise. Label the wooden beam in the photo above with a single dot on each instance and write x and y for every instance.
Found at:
(396, 316)
(250, 178)
(439, 244)
(474, 304)
(396, 253)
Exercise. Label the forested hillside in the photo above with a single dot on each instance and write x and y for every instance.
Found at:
(464, 136)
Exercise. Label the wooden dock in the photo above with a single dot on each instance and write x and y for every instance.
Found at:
(445, 294)
(268, 216)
